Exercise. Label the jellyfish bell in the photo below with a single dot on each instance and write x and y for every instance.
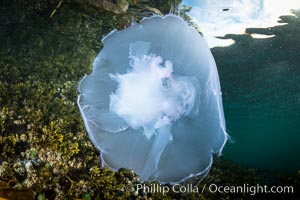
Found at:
(153, 101)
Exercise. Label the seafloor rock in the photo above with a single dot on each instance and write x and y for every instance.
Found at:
(116, 6)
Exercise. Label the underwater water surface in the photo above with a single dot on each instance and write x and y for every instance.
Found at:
(256, 47)
(260, 81)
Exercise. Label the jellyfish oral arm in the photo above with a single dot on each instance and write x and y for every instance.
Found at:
(149, 96)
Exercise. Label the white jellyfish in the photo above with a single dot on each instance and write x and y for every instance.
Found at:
(153, 101)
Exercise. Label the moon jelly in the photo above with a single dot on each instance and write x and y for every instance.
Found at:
(153, 101)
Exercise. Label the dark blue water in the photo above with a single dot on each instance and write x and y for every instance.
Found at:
(260, 80)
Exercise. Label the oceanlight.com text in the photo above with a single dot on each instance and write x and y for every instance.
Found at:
(212, 188)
